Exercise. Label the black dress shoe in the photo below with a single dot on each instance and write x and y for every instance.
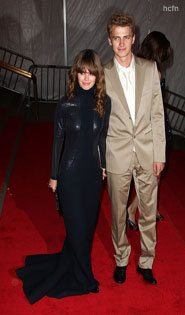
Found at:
(147, 275)
(95, 290)
(132, 226)
(120, 274)
(159, 217)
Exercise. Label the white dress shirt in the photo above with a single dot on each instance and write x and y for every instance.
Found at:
(127, 79)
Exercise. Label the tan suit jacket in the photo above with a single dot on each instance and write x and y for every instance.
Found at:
(148, 133)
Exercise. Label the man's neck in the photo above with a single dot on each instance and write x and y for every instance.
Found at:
(125, 61)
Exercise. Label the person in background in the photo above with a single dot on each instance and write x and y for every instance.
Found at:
(155, 47)
(135, 143)
(82, 119)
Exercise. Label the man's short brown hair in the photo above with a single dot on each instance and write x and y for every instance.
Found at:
(121, 19)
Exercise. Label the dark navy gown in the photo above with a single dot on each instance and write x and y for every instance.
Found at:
(77, 158)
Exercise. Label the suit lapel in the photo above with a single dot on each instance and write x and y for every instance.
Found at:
(116, 85)
(139, 81)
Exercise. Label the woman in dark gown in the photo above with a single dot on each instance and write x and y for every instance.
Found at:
(81, 119)
(155, 47)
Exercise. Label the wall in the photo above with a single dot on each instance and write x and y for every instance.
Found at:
(35, 28)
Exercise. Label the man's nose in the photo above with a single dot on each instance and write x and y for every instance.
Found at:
(121, 41)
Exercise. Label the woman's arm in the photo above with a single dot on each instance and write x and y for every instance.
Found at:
(59, 124)
(103, 135)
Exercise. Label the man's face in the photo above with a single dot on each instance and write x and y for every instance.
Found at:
(121, 40)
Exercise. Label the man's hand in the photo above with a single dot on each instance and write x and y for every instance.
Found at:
(158, 167)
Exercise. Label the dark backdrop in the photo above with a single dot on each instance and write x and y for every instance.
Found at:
(35, 28)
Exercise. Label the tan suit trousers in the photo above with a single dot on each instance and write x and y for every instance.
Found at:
(146, 189)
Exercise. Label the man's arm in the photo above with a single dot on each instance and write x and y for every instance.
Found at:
(158, 126)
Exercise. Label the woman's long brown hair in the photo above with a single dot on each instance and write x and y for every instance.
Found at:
(89, 60)
(155, 47)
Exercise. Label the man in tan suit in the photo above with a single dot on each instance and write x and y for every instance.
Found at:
(135, 143)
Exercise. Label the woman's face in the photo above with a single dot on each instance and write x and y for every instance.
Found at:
(86, 80)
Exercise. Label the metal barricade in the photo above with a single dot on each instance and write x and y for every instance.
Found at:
(10, 79)
(51, 82)
(175, 108)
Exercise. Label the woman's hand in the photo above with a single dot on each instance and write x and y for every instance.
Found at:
(104, 175)
(53, 184)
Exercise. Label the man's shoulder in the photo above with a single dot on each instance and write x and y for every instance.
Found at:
(109, 64)
(142, 61)
(138, 60)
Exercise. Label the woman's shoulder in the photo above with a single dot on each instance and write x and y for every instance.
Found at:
(64, 103)
(107, 101)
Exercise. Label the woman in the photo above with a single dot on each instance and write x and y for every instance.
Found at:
(155, 47)
(81, 118)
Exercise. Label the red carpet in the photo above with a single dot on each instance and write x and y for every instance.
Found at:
(172, 190)
(30, 225)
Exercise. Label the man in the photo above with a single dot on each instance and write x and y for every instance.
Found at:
(135, 143)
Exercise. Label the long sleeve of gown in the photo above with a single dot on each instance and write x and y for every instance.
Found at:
(103, 135)
(59, 122)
